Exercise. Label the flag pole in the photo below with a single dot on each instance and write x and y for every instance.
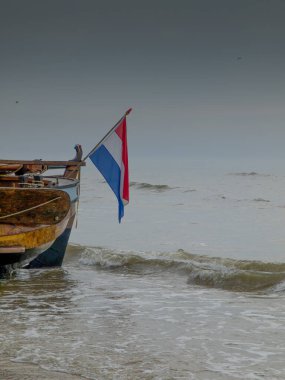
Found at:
(107, 134)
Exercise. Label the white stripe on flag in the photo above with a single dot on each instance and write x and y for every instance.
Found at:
(122, 180)
(114, 145)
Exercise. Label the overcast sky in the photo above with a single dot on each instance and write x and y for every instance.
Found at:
(205, 78)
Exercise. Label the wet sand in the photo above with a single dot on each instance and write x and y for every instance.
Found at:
(22, 371)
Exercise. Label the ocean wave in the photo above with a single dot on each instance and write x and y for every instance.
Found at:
(216, 272)
(250, 174)
(149, 186)
(189, 191)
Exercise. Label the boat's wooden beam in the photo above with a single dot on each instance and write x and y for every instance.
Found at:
(14, 249)
(46, 163)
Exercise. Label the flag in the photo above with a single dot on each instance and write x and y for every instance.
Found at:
(110, 157)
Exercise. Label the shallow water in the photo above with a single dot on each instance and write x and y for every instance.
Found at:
(189, 286)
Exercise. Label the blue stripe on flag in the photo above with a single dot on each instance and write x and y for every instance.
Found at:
(111, 171)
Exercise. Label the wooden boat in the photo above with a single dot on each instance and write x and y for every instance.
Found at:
(37, 211)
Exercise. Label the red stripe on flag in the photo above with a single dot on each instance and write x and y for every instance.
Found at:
(121, 131)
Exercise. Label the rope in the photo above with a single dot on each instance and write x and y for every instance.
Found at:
(29, 209)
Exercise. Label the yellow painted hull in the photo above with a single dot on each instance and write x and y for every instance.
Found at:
(23, 240)
(32, 237)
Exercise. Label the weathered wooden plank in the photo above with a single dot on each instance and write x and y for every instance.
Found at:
(4, 168)
(36, 237)
(13, 249)
(42, 162)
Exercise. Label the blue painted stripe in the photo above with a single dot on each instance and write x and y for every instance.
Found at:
(72, 192)
(111, 171)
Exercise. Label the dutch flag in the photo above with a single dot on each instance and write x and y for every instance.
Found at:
(110, 157)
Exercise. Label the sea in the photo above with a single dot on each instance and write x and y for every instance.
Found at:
(190, 285)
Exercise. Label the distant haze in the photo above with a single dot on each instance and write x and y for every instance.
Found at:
(205, 78)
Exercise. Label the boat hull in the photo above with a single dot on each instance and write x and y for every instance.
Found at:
(54, 255)
(36, 211)
(10, 261)
(21, 244)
